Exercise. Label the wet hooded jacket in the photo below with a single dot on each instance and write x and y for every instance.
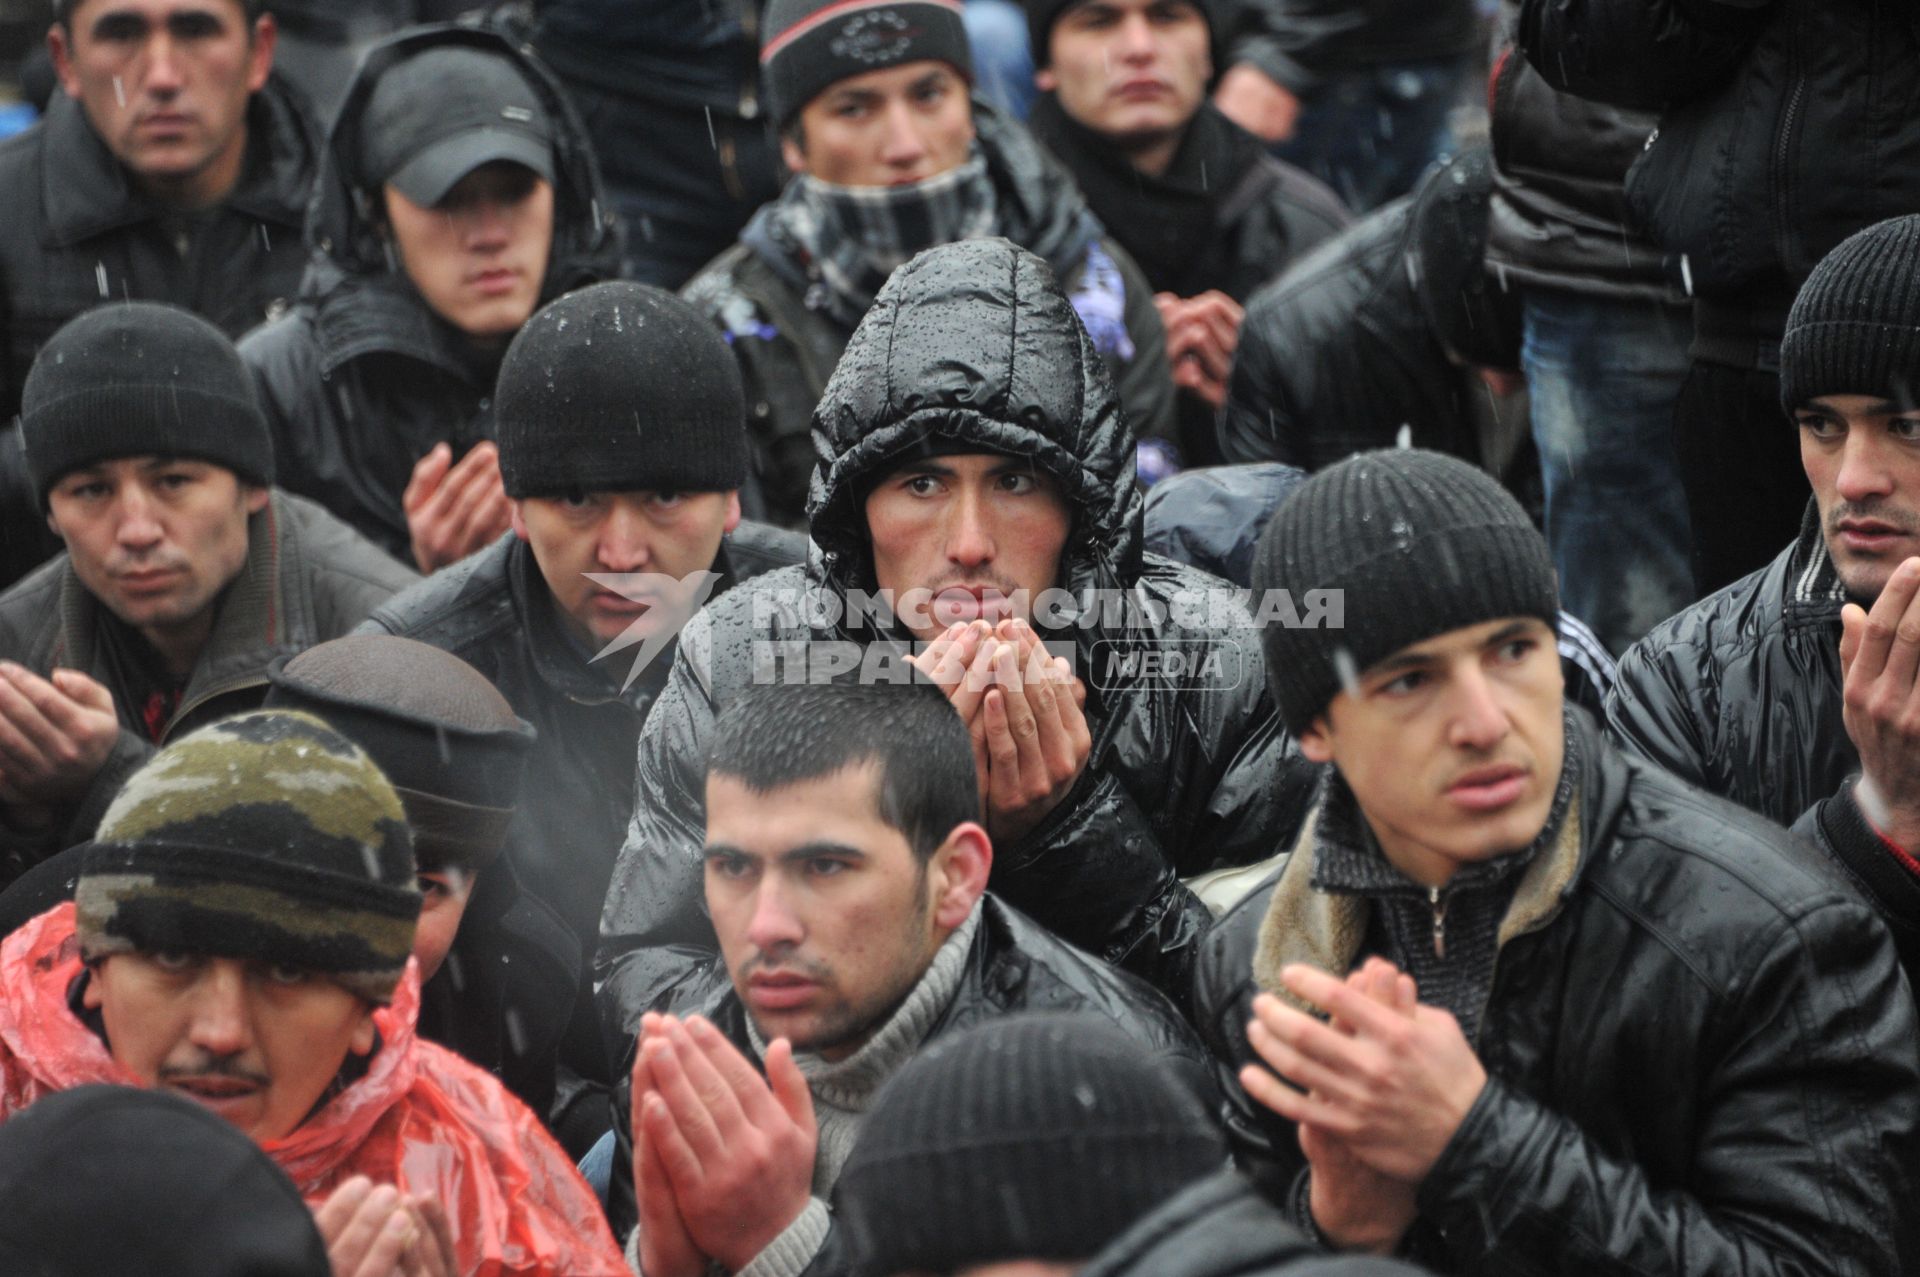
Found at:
(1300, 44)
(419, 1118)
(788, 349)
(362, 378)
(974, 344)
(1702, 1057)
(1012, 967)
(79, 233)
(307, 577)
(1741, 695)
(1785, 126)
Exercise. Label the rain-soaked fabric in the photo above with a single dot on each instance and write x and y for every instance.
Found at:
(1190, 769)
(1702, 1056)
(361, 378)
(420, 1118)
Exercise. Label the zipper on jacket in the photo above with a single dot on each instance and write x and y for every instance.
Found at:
(1439, 904)
(1783, 167)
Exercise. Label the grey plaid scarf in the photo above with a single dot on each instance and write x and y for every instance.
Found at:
(849, 239)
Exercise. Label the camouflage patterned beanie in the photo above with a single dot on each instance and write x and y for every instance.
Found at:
(266, 836)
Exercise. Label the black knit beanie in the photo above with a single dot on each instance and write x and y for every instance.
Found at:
(140, 379)
(445, 736)
(1417, 543)
(267, 835)
(1035, 1137)
(620, 387)
(144, 1183)
(1042, 14)
(1855, 327)
(809, 44)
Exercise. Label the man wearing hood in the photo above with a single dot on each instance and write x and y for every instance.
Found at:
(457, 194)
(174, 167)
(972, 453)
(1194, 198)
(891, 156)
(240, 936)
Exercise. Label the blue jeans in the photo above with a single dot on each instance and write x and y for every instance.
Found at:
(1002, 62)
(1370, 134)
(597, 1166)
(1602, 376)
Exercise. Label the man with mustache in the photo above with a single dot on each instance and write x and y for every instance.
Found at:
(240, 936)
(890, 156)
(1792, 692)
(846, 874)
(1535, 1006)
(185, 574)
(171, 166)
(976, 521)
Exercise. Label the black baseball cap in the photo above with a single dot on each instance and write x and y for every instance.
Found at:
(441, 114)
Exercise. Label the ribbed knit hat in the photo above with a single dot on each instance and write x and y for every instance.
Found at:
(445, 736)
(620, 387)
(1855, 327)
(1417, 543)
(809, 44)
(268, 835)
(140, 379)
(1034, 1137)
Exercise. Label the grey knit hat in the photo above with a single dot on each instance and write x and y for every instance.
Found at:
(1418, 544)
(138, 379)
(1034, 1137)
(1855, 327)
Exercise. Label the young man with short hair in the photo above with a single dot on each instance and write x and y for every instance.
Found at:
(845, 871)
(1790, 691)
(1194, 198)
(890, 156)
(1567, 1012)
(975, 500)
(241, 935)
(171, 167)
(458, 194)
(185, 574)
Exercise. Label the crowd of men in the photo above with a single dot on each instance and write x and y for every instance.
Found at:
(1034, 695)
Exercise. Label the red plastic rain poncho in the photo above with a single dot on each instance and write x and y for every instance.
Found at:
(422, 1119)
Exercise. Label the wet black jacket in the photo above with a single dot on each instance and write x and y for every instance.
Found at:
(79, 233)
(1186, 774)
(308, 577)
(1785, 125)
(1702, 1055)
(787, 350)
(1012, 967)
(1221, 1227)
(1299, 44)
(1336, 355)
(362, 378)
(1559, 214)
(1740, 694)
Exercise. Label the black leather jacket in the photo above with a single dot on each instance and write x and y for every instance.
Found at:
(1013, 966)
(361, 379)
(1702, 1056)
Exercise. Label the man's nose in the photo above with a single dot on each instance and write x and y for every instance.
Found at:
(137, 515)
(485, 225)
(221, 1025)
(904, 146)
(1479, 721)
(1864, 473)
(774, 926)
(625, 544)
(162, 72)
(969, 536)
(1136, 38)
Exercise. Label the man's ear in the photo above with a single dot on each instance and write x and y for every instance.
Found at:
(364, 1035)
(1316, 742)
(962, 865)
(256, 497)
(795, 157)
(94, 996)
(60, 49)
(266, 35)
(519, 520)
(733, 512)
(1045, 80)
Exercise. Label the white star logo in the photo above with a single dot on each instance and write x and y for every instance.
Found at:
(670, 604)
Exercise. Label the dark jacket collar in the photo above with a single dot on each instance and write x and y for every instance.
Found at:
(1814, 594)
(87, 191)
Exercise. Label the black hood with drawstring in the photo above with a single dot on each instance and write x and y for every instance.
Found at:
(363, 378)
(972, 347)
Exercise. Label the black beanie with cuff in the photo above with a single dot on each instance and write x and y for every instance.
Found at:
(1855, 327)
(808, 45)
